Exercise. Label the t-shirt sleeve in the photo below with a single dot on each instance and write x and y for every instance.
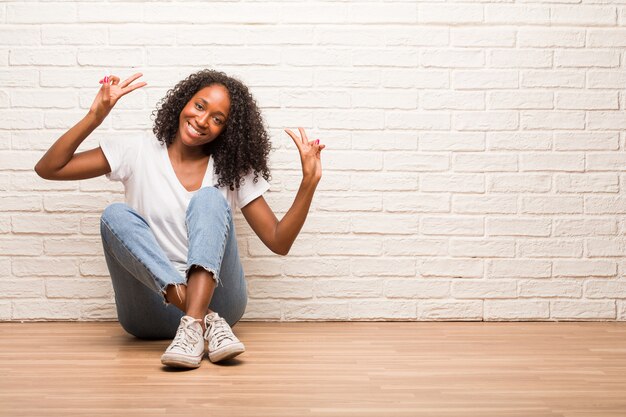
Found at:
(250, 190)
(121, 153)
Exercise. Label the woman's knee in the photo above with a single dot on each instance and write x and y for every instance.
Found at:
(114, 212)
(211, 196)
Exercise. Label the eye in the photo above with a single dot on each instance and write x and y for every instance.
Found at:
(198, 106)
(218, 120)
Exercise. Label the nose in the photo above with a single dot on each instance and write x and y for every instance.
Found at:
(203, 119)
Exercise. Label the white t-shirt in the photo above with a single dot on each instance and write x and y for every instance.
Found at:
(153, 190)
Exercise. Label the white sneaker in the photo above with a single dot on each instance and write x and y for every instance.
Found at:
(223, 344)
(187, 348)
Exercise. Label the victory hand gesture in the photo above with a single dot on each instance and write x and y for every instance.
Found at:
(309, 155)
(111, 91)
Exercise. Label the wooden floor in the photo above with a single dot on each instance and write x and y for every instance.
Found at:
(322, 369)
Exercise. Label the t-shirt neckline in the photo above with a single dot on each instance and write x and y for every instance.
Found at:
(170, 169)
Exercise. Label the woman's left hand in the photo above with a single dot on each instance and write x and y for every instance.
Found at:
(309, 155)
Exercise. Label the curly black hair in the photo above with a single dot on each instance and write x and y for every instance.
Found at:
(242, 147)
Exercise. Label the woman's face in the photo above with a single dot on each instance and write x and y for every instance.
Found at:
(204, 117)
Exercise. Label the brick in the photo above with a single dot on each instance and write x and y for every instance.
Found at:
(606, 120)
(384, 309)
(358, 77)
(534, 183)
(350, 36)
(531, 119)
(605, 289)
(518, 268)
(317, 310)
(384, 140)
(586, 101)
(73, 35)
(470, 204)
(14, 77)
(461, 310)
(416, 203)
(519, 58)
(488, 120)
(380, 13)
(45, 99)
(47, 309)
(518, 226)
(587, 183)
(322, 268)
(355, 160)
(586, 141)
(516, 309)
(98, 310)
(449, 14)
(484, 79)
(382, 57)
(414, 161)
(384, 99)
(350, 119)
(261, 309)
(22, 288)
(605, 248)
(142, 34)
(605, 205)
(109, 57)
(613, 161)
(584, 268)
(488, 162)
(416, 36)
(519, 141)
(350, 246)
(21, 245)
(41, 13)
(452, 100)
(516, 14)
(553, 78)
(357, 288)
(41, 56)
(453, 267)
(21, 203)
(73, 246)
(104, 13)
(552, 161)
(44, 224)
(19, 35)
(272, 288)
(506, 100)
(415, 247)
(482, 248)
(94, 267)
(452, 58)
(418, 120)
(459, 226)
(586, 59)
(579, 309)
(451, 141)
(382, 267)
(78, 288)
(482, 37)
(484, 289)
(320, 13)
(354, 202)
(40, 266)
(583, 15)
(75, 203)
(550, 38)
(403, 78)
(605, 79)
(381, 181)
(415, 289)
(552, 205)
(551, 288)
(584, 227)
(384, 224)
(554, 248)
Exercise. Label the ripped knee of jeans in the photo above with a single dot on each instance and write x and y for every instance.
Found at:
(207, 269)
(178, 293)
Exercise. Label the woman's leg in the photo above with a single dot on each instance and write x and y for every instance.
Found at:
(215, 274)
(140, 274)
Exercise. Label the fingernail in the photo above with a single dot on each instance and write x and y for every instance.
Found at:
(106, 78)
(317, 142)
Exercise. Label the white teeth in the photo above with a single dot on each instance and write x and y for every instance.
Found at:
(194, 130)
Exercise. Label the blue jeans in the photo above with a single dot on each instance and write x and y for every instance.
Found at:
(140, 270)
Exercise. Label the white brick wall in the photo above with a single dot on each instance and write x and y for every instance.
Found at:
(474, 167)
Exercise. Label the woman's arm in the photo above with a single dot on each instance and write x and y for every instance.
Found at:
(279, 236)
(59, 162)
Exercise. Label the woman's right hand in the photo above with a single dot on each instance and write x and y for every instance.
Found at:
(110, 92)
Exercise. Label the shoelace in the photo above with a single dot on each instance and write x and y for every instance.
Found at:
(220, 330)
(183, 335)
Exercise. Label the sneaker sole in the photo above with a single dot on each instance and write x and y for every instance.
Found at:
(227, 352)
(178, 361)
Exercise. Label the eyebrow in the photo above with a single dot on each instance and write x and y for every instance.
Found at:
(206, 102)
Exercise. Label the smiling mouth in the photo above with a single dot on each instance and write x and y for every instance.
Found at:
(193, 131)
